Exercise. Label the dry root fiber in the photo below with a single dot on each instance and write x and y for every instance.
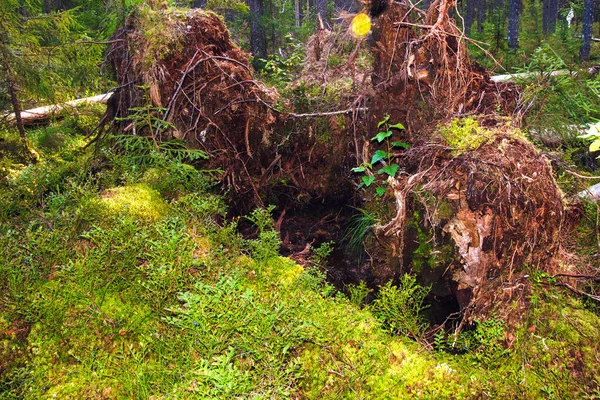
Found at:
(185, 65)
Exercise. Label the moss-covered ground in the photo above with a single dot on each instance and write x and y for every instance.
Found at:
(122, 280)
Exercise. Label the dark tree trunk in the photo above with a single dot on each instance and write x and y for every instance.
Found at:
(12, 91)
(513, 24)
(480, 4)
(322, 10)
(549, 15)
(258, 39)
(11, 85)
(297, 12)
(586, 29)
(469, 15)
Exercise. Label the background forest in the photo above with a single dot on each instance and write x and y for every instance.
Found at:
(137, 261)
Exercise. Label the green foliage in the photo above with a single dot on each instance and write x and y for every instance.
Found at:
(464, 134)
(381, 156)
(358, 227)
(139, 201)
(593, 134)
(280, 70)
(559, 105)
(357, 294)
(37, 46)
(565, 40)
(268, 242)
(102, 304)
(321, 253)
(399, 308)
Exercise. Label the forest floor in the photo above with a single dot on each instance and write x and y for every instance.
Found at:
(122, 278)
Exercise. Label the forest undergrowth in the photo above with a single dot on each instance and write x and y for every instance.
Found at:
(122, 278)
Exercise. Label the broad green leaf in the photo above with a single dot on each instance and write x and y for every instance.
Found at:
(389, 169)
(359, 169)
(380, 191)
(378, 156)
(383, 121)
(595, 146)
(367, 180)
(397, 126)
(381, 136)
(402, 145)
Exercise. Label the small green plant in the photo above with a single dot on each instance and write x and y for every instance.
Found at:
(359, 226)
(399, 308)
(268, 242)
(281, 69)
(381, 156)
(358, 293)
(321, 253)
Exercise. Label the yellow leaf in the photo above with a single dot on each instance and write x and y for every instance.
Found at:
(595, 146)
(361, 25)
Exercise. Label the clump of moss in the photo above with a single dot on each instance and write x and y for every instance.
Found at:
(139, 201)
(464, 134)
(160, 34)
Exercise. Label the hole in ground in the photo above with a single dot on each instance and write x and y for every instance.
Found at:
(316, 223)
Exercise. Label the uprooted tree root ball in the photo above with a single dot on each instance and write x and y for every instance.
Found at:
(422, 71)
(497, 206)
(470, 209)
(180, 71)
(185, 65)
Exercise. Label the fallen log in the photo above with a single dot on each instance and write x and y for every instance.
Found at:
(44, 114)
(527, 75)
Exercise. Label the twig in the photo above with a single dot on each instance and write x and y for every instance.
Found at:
(575, 290)
(324, 114)
(580, 276)
(581, 176)
(247, 133)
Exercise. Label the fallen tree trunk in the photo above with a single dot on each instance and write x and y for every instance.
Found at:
(44, 114)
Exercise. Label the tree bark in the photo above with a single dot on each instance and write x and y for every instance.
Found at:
(297, 12)
(258, 39)
(513, 24)
(586, 29)
(480, 5)
(549, 15)
(11, 84)
(469, 15)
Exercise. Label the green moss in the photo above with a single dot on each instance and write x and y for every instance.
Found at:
(139, 201)
(426, 255)
(463, 134)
